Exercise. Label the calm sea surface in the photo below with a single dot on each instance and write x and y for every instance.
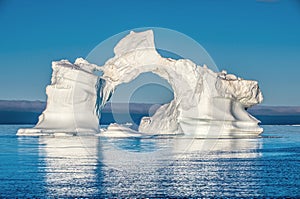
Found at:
(96, 166)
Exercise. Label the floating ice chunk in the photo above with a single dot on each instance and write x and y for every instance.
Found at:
(122, 131)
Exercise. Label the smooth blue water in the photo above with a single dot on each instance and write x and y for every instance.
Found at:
(93, 166)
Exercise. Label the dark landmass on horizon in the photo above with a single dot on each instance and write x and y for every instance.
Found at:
(27, 112)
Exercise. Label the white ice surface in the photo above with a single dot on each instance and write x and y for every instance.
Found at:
(205, 104)
(71, 101)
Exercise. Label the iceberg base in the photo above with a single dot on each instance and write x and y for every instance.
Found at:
(55, 132)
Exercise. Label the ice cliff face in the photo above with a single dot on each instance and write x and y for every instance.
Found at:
(71, 100)
(205, 103)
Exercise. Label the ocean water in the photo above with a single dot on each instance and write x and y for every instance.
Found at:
(268, 166)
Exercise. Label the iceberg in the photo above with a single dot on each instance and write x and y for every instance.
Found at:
(205, 104)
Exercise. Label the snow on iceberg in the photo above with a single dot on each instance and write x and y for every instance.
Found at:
(205, 104)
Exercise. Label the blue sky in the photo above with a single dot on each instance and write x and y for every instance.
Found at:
(254, 39)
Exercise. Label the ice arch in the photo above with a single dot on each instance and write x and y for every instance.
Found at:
(205, 103)
(140, 97)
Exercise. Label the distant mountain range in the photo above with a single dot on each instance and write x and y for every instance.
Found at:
(274, 110)
(27, 112)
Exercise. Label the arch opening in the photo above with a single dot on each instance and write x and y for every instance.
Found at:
(139, 98)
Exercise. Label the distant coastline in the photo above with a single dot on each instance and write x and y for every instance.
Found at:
(27, 112)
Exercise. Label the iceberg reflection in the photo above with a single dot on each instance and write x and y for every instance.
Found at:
(91, 166)
(180, 167)
(71, 165)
